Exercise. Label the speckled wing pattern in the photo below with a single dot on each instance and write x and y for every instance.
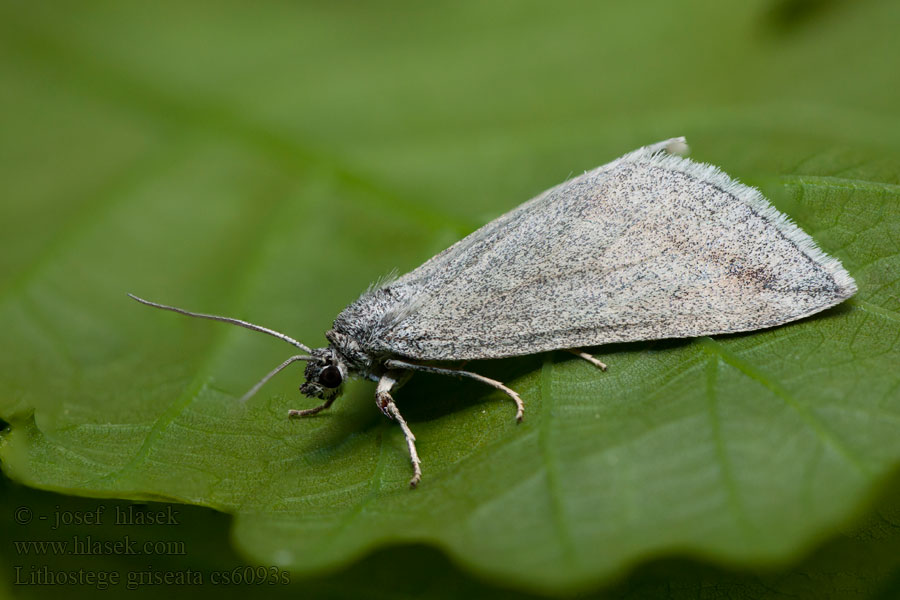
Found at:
(649, 246)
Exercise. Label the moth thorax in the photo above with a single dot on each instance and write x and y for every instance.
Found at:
(349, 349)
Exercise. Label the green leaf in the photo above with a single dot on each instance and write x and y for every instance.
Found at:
(224, 166)
(860, 563)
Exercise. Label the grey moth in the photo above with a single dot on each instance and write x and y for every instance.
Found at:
(651, 245)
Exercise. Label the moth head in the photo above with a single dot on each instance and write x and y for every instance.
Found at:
(325, 376)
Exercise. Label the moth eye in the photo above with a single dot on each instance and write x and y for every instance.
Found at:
(330, 376)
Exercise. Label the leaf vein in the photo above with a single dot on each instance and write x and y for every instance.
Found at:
(824, 435)
(728, 479)
(561, 525)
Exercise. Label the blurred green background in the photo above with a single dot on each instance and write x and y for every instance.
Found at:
(271, 159)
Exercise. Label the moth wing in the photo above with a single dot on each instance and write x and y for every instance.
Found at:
(648, 246)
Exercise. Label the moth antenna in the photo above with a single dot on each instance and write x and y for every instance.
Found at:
(238, 322)
(272, 374)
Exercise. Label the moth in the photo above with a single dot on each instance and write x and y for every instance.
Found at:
(651, 245)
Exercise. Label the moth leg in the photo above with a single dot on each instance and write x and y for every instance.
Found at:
(588, 357)
(308, 412)
(520, 406)
(386, 403)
